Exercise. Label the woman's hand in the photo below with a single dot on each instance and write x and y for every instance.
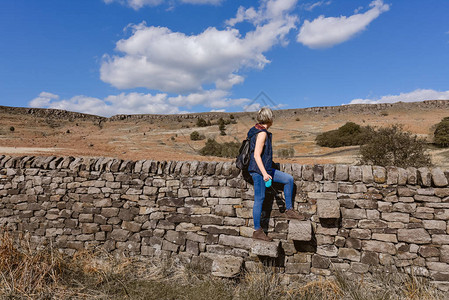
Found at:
(267, 177)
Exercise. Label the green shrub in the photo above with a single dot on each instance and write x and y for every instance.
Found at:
(347, 135)
(201, 122)
(196, 136)
(286, 152)
(441, 133)
(222, 128)
(391, 146)
(11, 128)
(214, 148)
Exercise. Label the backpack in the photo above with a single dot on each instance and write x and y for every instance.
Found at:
(242, 160)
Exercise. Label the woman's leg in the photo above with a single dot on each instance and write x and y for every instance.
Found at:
(259, 196)
(287, 180)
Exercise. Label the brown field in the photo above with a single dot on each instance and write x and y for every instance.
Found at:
(169, 138)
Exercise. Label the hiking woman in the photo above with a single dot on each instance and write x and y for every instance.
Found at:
(261, 170)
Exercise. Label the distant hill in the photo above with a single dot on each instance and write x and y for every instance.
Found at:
(40, 131)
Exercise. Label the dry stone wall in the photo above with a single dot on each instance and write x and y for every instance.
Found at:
(354, 218)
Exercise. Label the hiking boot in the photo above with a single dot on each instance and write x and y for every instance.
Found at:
(260, 235)
(292, 214)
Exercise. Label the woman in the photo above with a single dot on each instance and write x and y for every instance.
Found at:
(261, 170)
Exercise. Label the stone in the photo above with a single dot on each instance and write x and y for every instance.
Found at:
(416, 236)
(355, 213)
(434, 224)
(341, 172)
(358, 267)
(385, 237)
(396, 217)
(236, 241)
(328, 209)
(379, 174)
(226, 266)
(297, 268)
(367, 174)
(428, 251)
(120, 235)
(424, 176)
(444, 253)
(438, 177)
(175, 237)
(370, 258)
(440, 239)
(319, 261)
(299, 230)
(377, 246)
(348, 253)
(355, 173)
(392, 175)
(360, 233)
(329, 172)
(263, 248)
(327, 250)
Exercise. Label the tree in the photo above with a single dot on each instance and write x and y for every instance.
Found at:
(214, 148)
(347, 135)
(201, 122)
(391, 146)
(441, 133)
(196, 136)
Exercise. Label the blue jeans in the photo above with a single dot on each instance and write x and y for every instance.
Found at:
(259, 192)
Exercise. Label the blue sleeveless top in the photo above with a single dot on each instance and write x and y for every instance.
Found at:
(267, 151)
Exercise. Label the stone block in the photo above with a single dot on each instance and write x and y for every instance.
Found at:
(297, 268)
(438, 177)
(120, 235)
(440, 239)
(236, 241)
(416, 236)
(444, 253)
(367, 174)
(380, 247)
(429, 251)
(424, 176)
(434, 224)
(396, 217)
(354, 213)
(175, 237)
(218, 229)
(341, 172)
(355, 173)
(262, 248)
(327, 250)
(328, 209)
(360, 233)
(348, 253)
(379, 174)
(226, 266)
(329, 172)
(299, 230)
(385, 237)
(307, 172)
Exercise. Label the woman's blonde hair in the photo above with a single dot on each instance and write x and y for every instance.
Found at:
(265, 115)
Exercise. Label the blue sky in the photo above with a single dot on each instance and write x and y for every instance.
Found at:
(109, 57)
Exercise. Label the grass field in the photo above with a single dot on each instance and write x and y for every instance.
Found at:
(46, 274)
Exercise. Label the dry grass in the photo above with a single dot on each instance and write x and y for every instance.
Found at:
(47, 274)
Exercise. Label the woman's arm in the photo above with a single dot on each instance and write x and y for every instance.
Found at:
(260, 142)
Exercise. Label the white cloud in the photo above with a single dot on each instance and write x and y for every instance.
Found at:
(138, 4)
(160, 59)
(138, 103)
(43, 100)
(327, 32)
(414, 96)
(311, 6)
